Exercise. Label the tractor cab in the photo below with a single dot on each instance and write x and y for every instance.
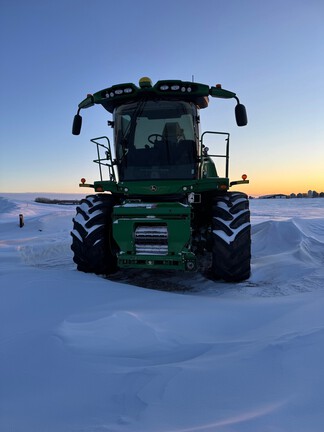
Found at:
(156, 139)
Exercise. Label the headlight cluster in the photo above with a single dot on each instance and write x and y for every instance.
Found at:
(115, 91)
(118, 92)
(175, 87)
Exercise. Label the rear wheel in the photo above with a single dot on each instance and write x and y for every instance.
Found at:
(231, 258)
(92, 242)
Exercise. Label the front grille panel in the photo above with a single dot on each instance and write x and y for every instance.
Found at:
(151, 240)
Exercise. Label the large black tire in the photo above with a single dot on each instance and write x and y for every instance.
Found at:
(231, 258)
(92, 242)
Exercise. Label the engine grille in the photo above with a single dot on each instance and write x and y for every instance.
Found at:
(151, 240)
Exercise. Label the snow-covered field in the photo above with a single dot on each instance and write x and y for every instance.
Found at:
(80, 353)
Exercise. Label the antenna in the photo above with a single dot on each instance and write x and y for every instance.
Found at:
(193, 78)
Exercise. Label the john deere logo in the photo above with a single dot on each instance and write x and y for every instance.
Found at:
(153, 188)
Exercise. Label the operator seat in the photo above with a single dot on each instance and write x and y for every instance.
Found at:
(172, 132)
(182, 151)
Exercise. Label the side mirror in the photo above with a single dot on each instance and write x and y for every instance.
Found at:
(240, 115)
(77, 123)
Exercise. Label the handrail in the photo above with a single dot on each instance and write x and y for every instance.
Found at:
(226, 155)
(108, 157)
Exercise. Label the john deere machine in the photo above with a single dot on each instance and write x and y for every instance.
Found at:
(160, 202)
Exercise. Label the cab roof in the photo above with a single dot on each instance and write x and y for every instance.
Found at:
(119, 94)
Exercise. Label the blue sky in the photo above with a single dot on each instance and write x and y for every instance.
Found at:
(270, 53)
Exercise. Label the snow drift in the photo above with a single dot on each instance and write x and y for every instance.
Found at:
(83, 353)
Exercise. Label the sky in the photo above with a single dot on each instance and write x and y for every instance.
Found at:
(269, 53)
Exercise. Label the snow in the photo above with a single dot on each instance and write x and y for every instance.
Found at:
(82, 353)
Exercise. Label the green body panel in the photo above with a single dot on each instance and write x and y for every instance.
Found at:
(169, 262)
(172, 252)
(166, 187)
(209, 169)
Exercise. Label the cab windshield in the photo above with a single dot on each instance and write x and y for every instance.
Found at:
(156, 140)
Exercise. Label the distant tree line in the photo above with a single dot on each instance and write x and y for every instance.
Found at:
(309, 194)
(56, 201)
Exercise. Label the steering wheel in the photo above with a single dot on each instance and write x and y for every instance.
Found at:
(155, 137)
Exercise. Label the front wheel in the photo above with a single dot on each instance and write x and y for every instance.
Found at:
(231, 258)
(92, 242)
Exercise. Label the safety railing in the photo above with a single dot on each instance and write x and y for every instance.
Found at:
(205, 149)
(104, 157)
